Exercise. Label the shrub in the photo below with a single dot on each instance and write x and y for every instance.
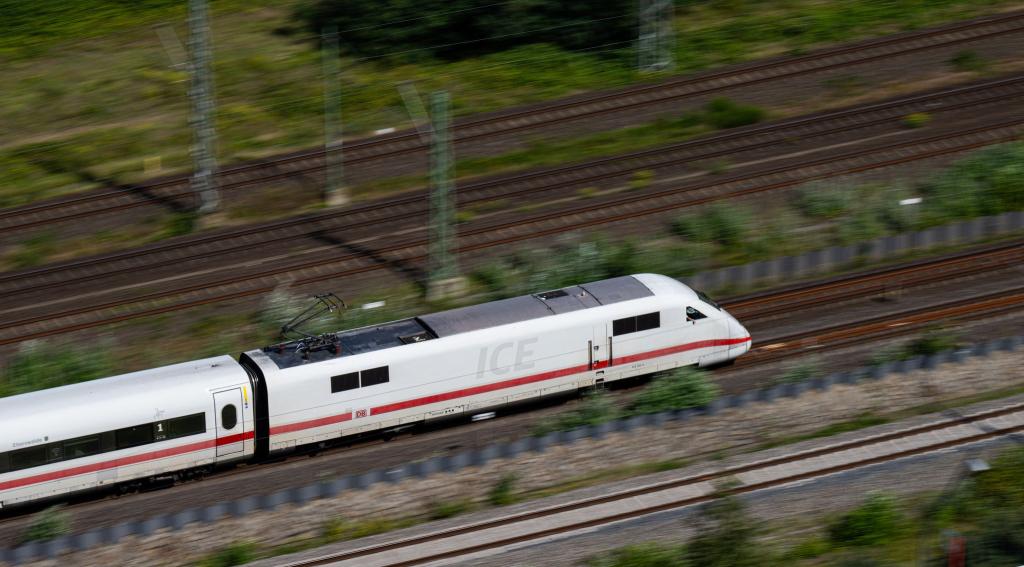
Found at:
(643, 555)
(641, 179)
(875, 522)
(722, 223)
(238, 553)
(47, 524)
(819, 201)
(917, 119)
(725, 537)
(596, 408)
(679, 389)
(501, 493)
(39, 365)
(967, 60)
(448, 508)
(805, 370)
(464, 216)
(724, 113)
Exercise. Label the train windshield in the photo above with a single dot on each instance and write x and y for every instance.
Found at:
(704, 297)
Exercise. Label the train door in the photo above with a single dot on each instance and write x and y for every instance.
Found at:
(230, 422)
(600, 348)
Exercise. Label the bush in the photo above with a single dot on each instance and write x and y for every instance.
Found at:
(917, 119)
(235, 554)
(805, 370)
(501, 493)
(988, 182)
(679, 389)
(40, 365)
(643, 555)
(641, 179)
(596, 408)
(725, 537)
(722, 223)
(968, 60)
(819, 201)
(723, 113)
(448, 508)
(875, 522)
(48, 524)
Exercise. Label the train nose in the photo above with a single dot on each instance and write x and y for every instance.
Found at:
(737, 332)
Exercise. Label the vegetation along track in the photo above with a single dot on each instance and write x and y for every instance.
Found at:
(21, 321)
(493, 125)
(596, 511)
(412, 209)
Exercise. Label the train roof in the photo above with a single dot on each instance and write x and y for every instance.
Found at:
(465, 319)
(120, 400)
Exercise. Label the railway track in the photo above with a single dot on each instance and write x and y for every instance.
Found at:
(174, 189)
(770, 349)
(25, 321)
(924, 272)
(462, 541)
(411, 211)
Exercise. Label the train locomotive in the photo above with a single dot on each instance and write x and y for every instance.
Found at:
(174, 421)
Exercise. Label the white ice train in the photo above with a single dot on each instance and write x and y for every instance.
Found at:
(170, 422)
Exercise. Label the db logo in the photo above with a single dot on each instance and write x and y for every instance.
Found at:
(361, 413)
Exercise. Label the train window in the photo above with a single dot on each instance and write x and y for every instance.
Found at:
(648, 321)
(5, 464)
(644, 322)
(692, 314)
(28, 458)
(54, 452)
(81, 447)
(184, 426)
(134, 436)
(624, 326)
(229, 416)
(375, 376)
(344, 382)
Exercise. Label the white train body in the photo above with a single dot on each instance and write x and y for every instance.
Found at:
(389, 376)
(134, 426)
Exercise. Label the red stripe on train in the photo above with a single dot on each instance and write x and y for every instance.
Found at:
(125, 461)
(320, 422)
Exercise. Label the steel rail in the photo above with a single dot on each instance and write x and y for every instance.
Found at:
(540, 225)
(518, 186)
(601, 103)
(939, 442)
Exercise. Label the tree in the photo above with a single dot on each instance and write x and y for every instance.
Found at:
(455, 29)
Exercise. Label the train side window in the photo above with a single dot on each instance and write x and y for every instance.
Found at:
(82, 447)
(54, 452)
(5, 463)
(108, 442)
(693, 315)
(375, 376)
(624, 326)
(344, 382)
(648, 321)
(184, 426)
(229, 416)
(28, 458)
(134, 436)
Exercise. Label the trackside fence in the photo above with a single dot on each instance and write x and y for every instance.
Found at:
(786, 268)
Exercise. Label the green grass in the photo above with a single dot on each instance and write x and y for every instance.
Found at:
(102, 74)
